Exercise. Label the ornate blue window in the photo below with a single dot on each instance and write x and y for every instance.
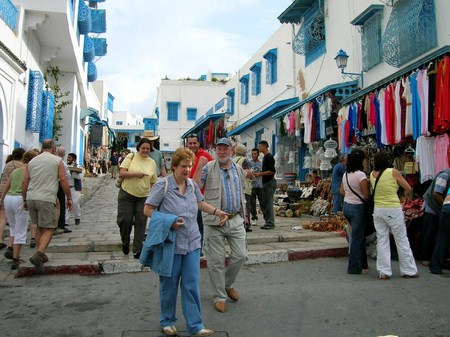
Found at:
(100, 46)
(271, 66)
(8, 13)
(172, 111)
(191, 114)
(310, 39)
(230, 101)
(48, 112)
(88, 49)
(410, 32)
(370, 23)
(256, 78)
(98, 18)
(34, 104)
(84, 18)
(92, 72)
(244, 89)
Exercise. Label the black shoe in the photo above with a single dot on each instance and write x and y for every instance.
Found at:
(248, 229)
(77, 221)
(137, 255)
(267, 227)
(9, 253)
(67, 230)
(125, 250)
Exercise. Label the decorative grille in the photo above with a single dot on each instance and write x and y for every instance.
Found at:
(410, 32)
(100, 46)
(8, 13)
(98, 18)
(88, 49)
(84, 18)
(371, 42)
(34, 104)
(244, 89)
(310, 39)
(92, 71)
(256, 78)
(230, 102)
(271, 66)
(48, 111)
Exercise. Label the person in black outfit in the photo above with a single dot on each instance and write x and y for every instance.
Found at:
(269, 184)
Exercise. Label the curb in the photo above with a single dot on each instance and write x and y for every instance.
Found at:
(134, 266)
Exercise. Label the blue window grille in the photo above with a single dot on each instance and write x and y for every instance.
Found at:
(9, 13)
(191, 114)
(410, 32)
(256, 78)
(92, 72)
(98, 18)
(258, 135)
(88, 49)
(100, 46)
(271, 65)
(244, 89)
(110, 102)
(219, 104)
(172, 111)
(310, 39)
(230, 101)
(48, 112)
(34, 104)
(84, 18)
(371, 42)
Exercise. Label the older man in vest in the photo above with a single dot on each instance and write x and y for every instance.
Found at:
(224, 183)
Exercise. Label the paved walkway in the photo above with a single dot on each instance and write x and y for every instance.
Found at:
(94, 246)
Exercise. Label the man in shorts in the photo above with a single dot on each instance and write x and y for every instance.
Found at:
(39, 192)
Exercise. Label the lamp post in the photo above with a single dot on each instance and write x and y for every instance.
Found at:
(341, 62)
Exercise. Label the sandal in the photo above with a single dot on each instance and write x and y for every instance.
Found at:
(383, 277)
(170, 330)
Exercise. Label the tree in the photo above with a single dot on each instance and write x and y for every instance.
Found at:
(51, 77)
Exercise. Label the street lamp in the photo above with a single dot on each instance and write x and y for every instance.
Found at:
(341, 62)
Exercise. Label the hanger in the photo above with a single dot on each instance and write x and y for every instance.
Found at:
(409, 149)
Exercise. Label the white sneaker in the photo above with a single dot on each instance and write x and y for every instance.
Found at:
(253, 222)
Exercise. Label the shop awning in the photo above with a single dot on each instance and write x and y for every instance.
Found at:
(201, 123)
(294, 13)
(397, 75)
(272, 109)
(347, 88)
(89, 112)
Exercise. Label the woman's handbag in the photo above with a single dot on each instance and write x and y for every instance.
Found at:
(119, 178)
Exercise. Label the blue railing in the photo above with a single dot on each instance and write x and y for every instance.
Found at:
(8, 13)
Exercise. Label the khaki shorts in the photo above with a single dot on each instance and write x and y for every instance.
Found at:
(43, 213)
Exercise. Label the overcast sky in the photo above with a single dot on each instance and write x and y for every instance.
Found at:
(149, 39)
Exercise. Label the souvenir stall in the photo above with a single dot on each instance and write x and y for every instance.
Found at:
(306, 147)
(408, 116)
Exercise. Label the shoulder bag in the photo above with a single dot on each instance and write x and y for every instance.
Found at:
(119, 178)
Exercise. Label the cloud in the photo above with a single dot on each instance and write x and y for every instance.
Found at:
(148, 40)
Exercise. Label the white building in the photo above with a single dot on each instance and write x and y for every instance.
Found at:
(180, 103)
(38, 36)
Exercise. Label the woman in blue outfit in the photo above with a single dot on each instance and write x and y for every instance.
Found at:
(179, 195)
(355, 188)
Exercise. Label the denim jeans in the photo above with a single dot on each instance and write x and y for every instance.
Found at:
(186, 268)
(337, 202)
(442, 241)
(429, 233)
(357, 259)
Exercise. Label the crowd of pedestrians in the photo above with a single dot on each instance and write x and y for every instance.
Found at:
(202, 202)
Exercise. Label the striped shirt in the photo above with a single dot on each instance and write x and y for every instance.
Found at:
(231, 201)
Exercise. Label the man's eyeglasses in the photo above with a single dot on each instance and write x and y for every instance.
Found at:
(227, 172)
(192, 135)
